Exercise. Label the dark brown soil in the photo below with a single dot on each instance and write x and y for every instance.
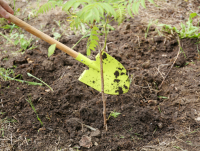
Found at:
(147, 113)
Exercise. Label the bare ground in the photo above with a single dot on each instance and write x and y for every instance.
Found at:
(151, 119)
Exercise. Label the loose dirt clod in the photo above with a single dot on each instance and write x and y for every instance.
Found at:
(85, 141)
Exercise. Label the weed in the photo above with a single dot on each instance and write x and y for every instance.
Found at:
(6, 73)
(183, 52)
(51, 50)
(5, 59)
(11, 27)
(2, 113)
(177, 147)
(24, 42)
(159, 109)
(8, 39)
(33, 107)
(5, 121)
(113, 114)
(30, 75)
(154, 131)
(149, 25)
(198, 50)
(187, 31)
(163, 97)
(56, 35)
(187, 63)
(122, 136)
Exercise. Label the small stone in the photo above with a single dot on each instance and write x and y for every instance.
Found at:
(85, 141)
(96, 144)
(76, 147)
(42, 129)
(175, 115)
(160, 125)
(159, 39)
(146, 64)
(128, 26)
(193, 112)
(76, 113)
(96, 133)
(198, 119)
(48, 65)
(29, 60)
(153, 102)
(178, 102)
(48, 90)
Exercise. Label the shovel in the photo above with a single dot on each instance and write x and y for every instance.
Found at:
(116, 80)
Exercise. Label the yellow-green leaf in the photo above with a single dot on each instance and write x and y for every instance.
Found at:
(51, 50)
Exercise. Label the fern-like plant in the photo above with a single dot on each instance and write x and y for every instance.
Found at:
(98, 13)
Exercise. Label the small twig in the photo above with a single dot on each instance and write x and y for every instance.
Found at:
(172, 64)
(2, 103)
(159, 69)
(93, 129)
(138, 41)
(11, 139)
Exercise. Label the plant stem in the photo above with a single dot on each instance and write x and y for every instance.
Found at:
(102, 91)
(102, 78)
(86, 35)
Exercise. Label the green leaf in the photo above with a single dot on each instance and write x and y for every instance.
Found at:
(56, 35)
(133, 8)
(163, 97)
(95, 38)
(143, 3)
(137, 7)
(109, 9)
(76, 5)
(51, 50)
(192, 15)
(47, 6)
(129, 10)
(68, 5)
(96, 14)
(151, 1)
(114, 114)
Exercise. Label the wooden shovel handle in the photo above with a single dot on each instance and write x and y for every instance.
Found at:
(42, 35)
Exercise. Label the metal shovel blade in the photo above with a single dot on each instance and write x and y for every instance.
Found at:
(116, 80)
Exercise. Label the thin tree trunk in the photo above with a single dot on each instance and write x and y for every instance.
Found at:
(102, 91)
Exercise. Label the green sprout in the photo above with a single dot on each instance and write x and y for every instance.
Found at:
(33, 107)
(113, 114)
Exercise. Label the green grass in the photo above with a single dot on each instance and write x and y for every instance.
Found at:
(33, 107)
(9, 75)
